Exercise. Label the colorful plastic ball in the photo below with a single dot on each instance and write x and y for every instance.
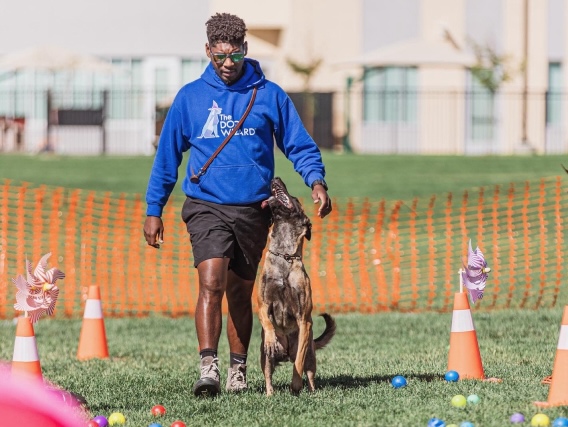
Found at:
(540, 420)
(155, 425)
(398, 381)
(473, 399)
(436, 422)
(560, 422)
(452, 376)
(158, 410)
(101, 420)
(178, 424)
(92, 423)
(459, 401)
(452, 425)
(116, 418)
(517, 418)
(466, 424)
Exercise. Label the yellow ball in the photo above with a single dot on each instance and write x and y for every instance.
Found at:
(116, 418)
(459, 401)
(540, 420)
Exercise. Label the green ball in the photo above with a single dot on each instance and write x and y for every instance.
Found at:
(540, 420)
(459, 401)
(473, 399)
(116, 418)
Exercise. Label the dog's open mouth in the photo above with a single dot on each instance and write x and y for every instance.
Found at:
(279, 194)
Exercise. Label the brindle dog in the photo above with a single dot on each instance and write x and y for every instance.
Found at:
(285, 295)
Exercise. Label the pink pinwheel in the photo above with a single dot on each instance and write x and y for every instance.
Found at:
(474, 275)
(38, 293)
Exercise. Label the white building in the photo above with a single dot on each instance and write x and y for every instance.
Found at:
(400, 71)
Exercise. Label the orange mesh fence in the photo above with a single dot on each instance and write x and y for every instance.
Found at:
(367, 256)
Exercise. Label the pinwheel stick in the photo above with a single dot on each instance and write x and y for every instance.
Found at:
(460, 271)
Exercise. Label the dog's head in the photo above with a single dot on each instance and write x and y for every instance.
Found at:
(287, 208)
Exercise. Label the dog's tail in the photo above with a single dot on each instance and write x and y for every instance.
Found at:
(328, 333)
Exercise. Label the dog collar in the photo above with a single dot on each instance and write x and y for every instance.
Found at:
(288, 258)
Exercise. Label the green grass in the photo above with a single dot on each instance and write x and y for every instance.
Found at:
(348, 175)
(154, 361)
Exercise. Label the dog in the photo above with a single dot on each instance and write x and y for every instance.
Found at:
(285, 296)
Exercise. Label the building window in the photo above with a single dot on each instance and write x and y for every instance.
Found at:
(127, 89)
(191, 69)
(482, 111)
(553, 96)
(390, 94)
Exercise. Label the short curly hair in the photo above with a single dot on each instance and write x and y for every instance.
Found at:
(226, 28)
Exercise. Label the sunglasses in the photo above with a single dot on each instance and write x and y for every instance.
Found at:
(220, 58)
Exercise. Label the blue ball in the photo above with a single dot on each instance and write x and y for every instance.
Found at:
(560, 422)
(155, 425)
(452, 376)
(466, 424)
(398, 381)
(436, 422)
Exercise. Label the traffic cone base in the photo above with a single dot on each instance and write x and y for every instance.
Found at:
(92, 341)
(558, 392)
(464, 356)
(25, 360)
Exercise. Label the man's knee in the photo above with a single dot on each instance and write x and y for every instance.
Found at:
(212, 286)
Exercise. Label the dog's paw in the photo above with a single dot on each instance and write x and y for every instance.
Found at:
(273, 349)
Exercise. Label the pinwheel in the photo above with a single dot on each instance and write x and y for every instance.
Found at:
(474, 275)
(37, 293)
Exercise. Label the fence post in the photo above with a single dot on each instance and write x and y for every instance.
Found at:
(104, 122)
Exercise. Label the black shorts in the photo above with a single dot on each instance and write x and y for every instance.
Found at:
(227, 231)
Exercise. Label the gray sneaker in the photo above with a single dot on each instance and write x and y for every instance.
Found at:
(208, 385)
(237, 378)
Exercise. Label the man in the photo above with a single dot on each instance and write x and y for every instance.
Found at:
(228, 228)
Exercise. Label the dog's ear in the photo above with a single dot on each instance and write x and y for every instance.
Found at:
(309, 231)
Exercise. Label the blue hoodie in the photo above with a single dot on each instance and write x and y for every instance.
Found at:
(203, 113)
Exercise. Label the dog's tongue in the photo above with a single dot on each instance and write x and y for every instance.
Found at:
(265, 202)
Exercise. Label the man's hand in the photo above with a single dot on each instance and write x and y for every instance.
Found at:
(154, 231)
(319, 195)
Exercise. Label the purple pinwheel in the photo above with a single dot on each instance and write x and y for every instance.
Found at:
(37, 294)
(474, 275)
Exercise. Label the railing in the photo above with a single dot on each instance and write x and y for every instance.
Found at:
(367, 256)
(387, 121)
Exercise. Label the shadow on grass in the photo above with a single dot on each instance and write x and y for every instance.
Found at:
(350, 382)
(347, 382)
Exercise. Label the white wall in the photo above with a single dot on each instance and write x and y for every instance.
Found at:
(106, 27)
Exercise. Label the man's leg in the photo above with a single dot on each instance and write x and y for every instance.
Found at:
(209, 322)
(239, 328)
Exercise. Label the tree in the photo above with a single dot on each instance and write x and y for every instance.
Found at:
(307, 71)
(492, 69)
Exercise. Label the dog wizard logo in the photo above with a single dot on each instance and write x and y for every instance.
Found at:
(224, 122)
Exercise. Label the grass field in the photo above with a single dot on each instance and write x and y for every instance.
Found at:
(348, 175)
(154, 360)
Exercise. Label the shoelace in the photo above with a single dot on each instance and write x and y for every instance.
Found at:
(205, 370)
(237, 377)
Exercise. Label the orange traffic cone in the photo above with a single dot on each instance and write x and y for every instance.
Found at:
(464, 357)
(558, 393)
(26, 358)
(92, 341)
